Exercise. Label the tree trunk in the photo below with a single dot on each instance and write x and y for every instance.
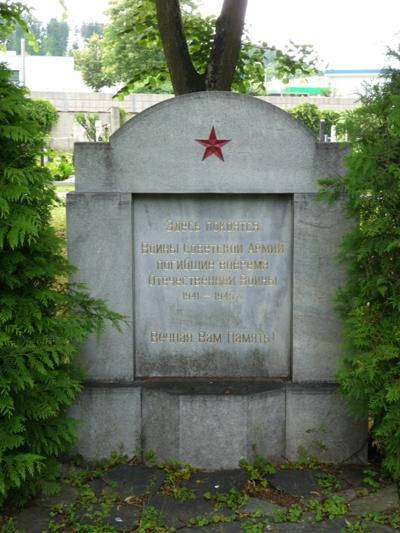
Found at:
(224, 55)
(184, 77)
(226, 47)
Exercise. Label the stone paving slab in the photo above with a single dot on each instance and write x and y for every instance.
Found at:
(379, 528)
(328, 526)
(135, 480)
(177, 513)
(353, 476)
(66, 496)
(98, 485)
(332, 526)
(300, 483)
(348, 495)
(232, 527)
(385, 499)
(255, 504)
(135, 484)
(220, 481)
(33, 519)
(124, 518)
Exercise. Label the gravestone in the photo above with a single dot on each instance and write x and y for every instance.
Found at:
(199, 221)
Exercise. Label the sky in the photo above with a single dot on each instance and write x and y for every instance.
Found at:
(346, 34)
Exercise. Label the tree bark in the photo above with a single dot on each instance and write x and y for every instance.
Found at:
(224, 54)
(184, 77)
(226, 47)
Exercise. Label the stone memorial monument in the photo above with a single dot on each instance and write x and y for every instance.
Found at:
(199, 222)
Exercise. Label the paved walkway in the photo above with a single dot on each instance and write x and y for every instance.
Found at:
(129, 497)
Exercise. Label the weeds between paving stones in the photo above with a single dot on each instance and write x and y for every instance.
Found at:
(328, 482)
(257, 484)
(331, 508)
(151, 522)
(233, 500)
(99, 503)
(176, 473)
(372, 479)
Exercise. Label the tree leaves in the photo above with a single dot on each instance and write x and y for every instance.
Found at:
(130, 52)
(370, 301)
(42, 318)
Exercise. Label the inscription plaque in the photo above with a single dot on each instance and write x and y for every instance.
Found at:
(212, 285)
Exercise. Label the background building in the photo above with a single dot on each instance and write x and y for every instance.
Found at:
(54, 78)
(341, 83)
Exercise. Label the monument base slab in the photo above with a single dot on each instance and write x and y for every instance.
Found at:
(215, 424)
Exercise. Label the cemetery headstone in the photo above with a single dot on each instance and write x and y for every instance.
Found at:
(199, 221)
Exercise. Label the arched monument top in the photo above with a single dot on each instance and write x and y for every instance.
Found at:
(246, 146)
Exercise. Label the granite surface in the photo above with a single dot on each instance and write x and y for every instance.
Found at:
(225, 269)
(156, 151)
(212, 286)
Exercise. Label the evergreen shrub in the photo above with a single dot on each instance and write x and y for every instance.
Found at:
(311, 115)
(369, 303)
(42, 317)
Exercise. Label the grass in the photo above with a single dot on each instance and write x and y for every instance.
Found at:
(59, 211)
(59, 220)
(65, 188)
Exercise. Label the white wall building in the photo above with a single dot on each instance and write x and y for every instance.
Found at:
(351, 83)
(58, 74)
(340, 83)
(45, 73)
(56, 80)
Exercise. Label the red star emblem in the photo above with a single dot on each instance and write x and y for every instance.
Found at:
(213, 145)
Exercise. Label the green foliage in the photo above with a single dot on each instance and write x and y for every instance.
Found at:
(328, 482)
(355, 527)
(184, 494)
(175, 474)
(148, 457)
(132, 49)
(130, 52)
(90, 513)
(293, 513)
(233, 500)
(151, 522)
(305, 459)
(255, 524)
(42, 318)
(44, 114)
(257, 471)
(372, 479)
(89, 61)
(88, 123)
(308, 457)
(369, 303)
(11, 15)
(91, 28)
(79, 477)
(331, 508)
(61, 166)
(33, 46)
(50, 39)
(295, 61)
(56, 41)
(122, 115)
(212, 518)
(311, 115)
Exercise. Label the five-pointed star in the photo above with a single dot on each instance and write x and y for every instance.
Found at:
(213, 145)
